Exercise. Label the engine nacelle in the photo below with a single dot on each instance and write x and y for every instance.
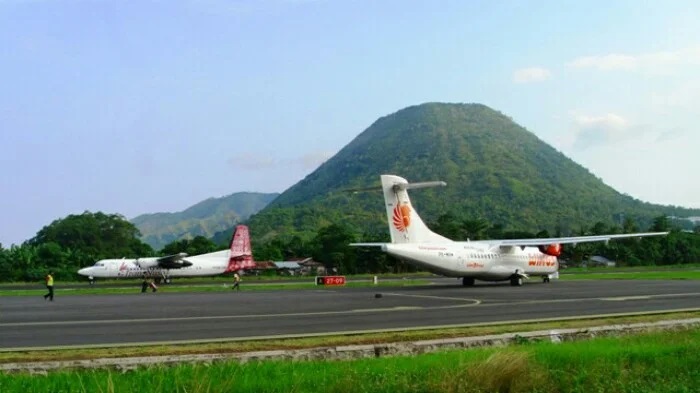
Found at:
(147, 263)
(551, 249)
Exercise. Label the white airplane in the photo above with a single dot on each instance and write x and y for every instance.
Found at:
(486, 260)
(238, 256)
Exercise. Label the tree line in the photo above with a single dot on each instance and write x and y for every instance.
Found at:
(77, 241)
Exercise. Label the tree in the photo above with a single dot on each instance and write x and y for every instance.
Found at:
(448, 225)
(98, 234)
(474, 229)
(196, 246)
(333, 248)
(661, 224)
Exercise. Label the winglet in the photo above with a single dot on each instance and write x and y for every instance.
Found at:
(241, 254)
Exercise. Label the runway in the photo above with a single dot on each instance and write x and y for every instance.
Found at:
(172, 317)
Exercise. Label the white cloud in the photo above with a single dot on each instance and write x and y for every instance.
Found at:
(531, 74)
(656, 61)
(590, 131)
(610, 121)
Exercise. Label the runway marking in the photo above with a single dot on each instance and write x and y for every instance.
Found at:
(215, 317)
(460, 299)
(397, 308)
(620, 298)
(623, 298)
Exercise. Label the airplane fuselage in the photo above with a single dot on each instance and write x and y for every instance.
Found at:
(479, 261)
(201, 265)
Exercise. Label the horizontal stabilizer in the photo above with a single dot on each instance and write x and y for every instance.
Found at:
(367, 244)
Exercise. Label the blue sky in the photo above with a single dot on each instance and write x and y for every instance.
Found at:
(135, 107)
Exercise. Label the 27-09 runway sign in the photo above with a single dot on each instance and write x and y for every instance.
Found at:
(330, 280)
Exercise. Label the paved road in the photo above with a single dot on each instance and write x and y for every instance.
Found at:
(120, 319)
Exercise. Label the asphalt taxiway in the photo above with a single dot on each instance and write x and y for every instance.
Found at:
(103, 320)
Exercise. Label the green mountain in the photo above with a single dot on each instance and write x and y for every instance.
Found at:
(494, 169)
(205, 218)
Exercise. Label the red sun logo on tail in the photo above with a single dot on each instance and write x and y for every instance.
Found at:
(402, 217)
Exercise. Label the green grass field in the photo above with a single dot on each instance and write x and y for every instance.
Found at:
(135, 287)
(654, 275)
(624, 269)
(654, 362)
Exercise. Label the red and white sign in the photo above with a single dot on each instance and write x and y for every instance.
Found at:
(330, 280)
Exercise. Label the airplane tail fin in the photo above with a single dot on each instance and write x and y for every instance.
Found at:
(405, 225)
(241, 254)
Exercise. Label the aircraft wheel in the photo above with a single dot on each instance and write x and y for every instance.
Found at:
(516, 281)
(467, 281)
(545, 280)
(167, 280)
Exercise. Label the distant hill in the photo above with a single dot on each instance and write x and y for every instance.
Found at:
(206, 218)
(494, 169)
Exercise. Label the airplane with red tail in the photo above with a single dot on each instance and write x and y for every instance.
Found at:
(239, 256)
(485, 260)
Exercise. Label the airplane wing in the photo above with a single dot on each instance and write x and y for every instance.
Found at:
(570, 240)
(175, 261)
(543, 241)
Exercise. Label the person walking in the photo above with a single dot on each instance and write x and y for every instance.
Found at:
(144, 284)
(236, 282)
(153, 285)
(49, 286)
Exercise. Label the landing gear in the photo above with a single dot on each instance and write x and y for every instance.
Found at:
(468, 281)
(91, 280)
(516, 281)
(545, 279)
(163, 278)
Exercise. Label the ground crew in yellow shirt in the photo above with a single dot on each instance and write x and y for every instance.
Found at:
(49, 286)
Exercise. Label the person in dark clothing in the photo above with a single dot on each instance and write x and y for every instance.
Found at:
(144, 284)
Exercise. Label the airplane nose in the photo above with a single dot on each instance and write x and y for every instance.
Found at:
(84, 271)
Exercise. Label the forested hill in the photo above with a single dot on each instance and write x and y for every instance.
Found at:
(495, 170)
(205, 218)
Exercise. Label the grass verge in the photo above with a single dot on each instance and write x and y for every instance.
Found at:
(652, 362)
(245, 286)
(665, 275)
